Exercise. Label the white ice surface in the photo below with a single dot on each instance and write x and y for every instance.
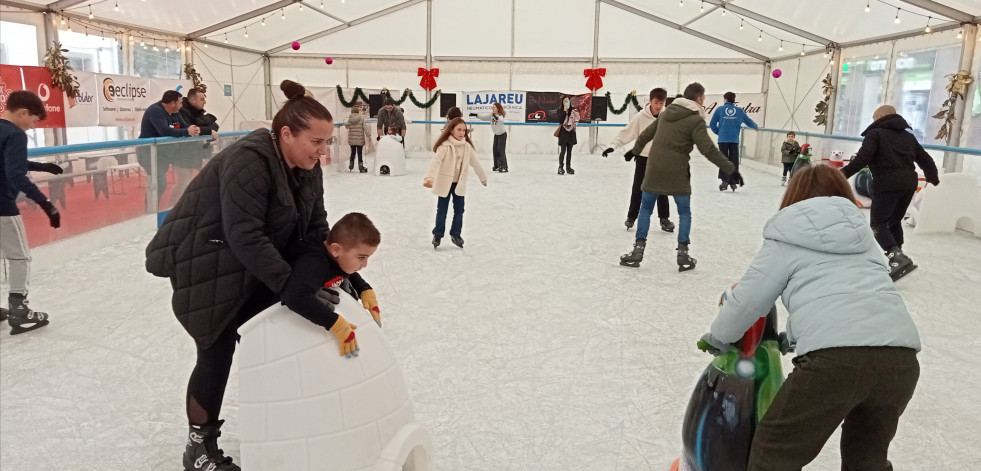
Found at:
(530, 349)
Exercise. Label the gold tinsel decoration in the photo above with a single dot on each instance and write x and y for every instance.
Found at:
(956, 88)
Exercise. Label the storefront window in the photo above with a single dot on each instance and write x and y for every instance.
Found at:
(860, 92)
(919, 88)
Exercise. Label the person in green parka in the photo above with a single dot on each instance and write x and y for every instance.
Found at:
(678, 129)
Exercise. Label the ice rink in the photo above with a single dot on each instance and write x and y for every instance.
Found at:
(529, 349)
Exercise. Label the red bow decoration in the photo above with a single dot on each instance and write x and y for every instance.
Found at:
(594, 82)
(428, 81)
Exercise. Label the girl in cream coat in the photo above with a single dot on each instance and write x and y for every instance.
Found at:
(447, 176)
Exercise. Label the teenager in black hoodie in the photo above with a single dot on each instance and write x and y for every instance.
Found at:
(890, 151)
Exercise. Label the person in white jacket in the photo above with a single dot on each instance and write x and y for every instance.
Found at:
(638, 123)
(447, 176)
(855, 342)
(496, 119)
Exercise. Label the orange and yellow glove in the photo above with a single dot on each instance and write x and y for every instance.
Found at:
(344, 331)
(370, 302)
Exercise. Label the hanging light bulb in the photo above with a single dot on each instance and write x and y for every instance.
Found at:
(723, 11)
(960, 34)
(897, 16)
(740, 25)
(760, 38)
(781, 46)
(226, 38)
(142, 42)
(86, 31)
(167, 48)
(116, 8)
(69, 26)
(867, 9)
(802, 49)
(681, 3)
(832, 61)
(927, 29)
(187, 48)
(282, 14)
(246, 32)
(130, 38)
(91, 16)
(263, 22)
(702, 8)
(321, 4)
(205, 45)
(301, 7)
(62, 20)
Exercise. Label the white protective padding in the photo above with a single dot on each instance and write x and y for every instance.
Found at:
(955, 204)
(864, 202)
(389, 152)
(305, 407)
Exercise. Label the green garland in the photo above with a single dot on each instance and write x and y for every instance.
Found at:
(407, 94)
(358, 92)
(631, 98)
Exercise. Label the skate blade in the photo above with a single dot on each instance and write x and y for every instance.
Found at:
(667, 230)
(20, 329)
(903, 273)
(629, 264)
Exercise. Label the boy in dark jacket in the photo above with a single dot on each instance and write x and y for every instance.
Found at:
(330, 264)
(23, 110)
(890, 151)
(789, 151)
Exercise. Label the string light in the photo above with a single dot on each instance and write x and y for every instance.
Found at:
(760, 38)
(91, 16)
(205, 45)
(740, 24)
(897, 15)
(246, 32)
(130, 38)
(167, 47)
(723, 11)
(321, 4)
(702, 8)
(263, 22)
(781, 45)
(867, 8)
(63, 21)
(69, 26)
(282, 14)
(927, 29)
(116, 8)
(142, 42)
(681, 3)
(802, 49)
(960, 34)
(301, 7)
(226, 38)
(86, 31)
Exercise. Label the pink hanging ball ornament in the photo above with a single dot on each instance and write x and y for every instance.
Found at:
(329, 60)
(777, 73)
(296, 45)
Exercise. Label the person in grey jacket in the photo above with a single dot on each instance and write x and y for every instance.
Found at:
(855, 341)
(500, 136)
(389, 116)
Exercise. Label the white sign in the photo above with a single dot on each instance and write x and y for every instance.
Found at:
(83, 108)
(122, 99)
(483, 102)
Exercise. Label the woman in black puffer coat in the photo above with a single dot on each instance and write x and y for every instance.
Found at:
(222, 243)
(568, 119)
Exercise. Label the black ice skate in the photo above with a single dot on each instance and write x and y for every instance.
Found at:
(629, 223)
(733, 186)
(457, 240)
(667, 225)
(362, 169)
(569, 170)
(436, 240)
(899, 264)
(685, 262)
(202, 452)
(21, 318)
(636, 256)
(723, 187)
(561, 170)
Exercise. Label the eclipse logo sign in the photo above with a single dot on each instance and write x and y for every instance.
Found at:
(126, 91)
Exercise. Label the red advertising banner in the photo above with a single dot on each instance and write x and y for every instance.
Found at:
(38, 80)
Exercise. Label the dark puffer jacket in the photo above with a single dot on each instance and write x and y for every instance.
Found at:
(890, 151)
(229, 230)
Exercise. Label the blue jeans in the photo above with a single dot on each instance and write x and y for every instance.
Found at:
(683, 202)
(442, 206)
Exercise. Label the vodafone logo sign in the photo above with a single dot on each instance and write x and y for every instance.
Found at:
(127, 91)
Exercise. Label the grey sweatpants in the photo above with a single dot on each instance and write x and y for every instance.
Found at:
(13, 249)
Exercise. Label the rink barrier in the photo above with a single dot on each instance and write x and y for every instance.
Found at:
(88, 146)
(805, 134)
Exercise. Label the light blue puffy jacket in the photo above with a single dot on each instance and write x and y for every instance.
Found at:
(821, 258)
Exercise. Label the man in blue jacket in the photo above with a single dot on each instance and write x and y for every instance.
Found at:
(162, 120)
(725, 123)
(23, 110)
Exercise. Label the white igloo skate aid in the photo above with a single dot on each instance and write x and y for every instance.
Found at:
(304, 407)
(955, 204)
(389, 153)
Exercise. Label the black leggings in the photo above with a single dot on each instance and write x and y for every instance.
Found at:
(206, 388)
(786, 167)
(358, 150)
(565, 149)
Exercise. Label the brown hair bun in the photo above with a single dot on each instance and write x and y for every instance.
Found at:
(293, 90)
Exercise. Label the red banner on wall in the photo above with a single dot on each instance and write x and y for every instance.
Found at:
(38, 80)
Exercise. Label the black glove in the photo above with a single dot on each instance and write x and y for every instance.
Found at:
(607, 151)
(473, 115)
(53, 215)
(329, 297)
(379, 137)
(51, 168)
(785, 345)
(735, 177)
(628, 156)
(934, 182)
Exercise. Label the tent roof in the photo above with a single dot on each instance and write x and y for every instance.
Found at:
(723, 29)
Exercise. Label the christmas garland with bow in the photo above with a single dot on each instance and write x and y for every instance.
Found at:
(406, 94)
(631, 98)
(956, 88)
